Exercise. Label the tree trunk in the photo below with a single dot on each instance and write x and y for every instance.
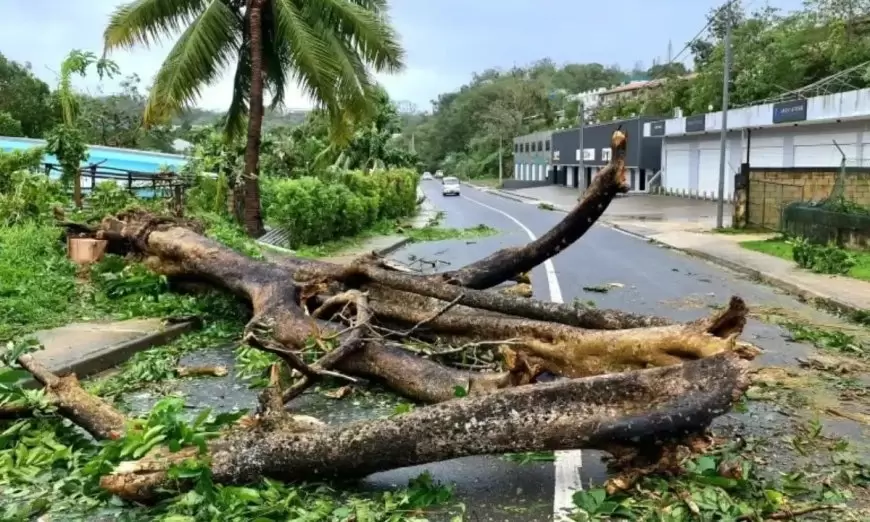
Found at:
(77, 188)
(641, 409)
(506, 263)
(373, 312)
(253, 218)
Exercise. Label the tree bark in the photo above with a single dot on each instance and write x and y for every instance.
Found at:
(96, 416)
(253, 218)
(639, 409)
(277, 306)
(504, 264)
(631, 412)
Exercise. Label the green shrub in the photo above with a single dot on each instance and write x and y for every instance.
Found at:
(12, 162)
(109, 197)
(207, 194)
(824, 259)
(37, 281)
(29, 197)
(316, 210)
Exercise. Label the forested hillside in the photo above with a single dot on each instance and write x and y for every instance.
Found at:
(774, 53)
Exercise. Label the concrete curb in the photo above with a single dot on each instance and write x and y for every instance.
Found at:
(514, 197)
(820, 300)
(113, 355)
(387, 250)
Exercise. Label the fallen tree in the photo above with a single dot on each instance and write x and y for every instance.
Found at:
(632, 385)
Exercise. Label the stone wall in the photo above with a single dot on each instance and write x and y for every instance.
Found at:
(763, 193)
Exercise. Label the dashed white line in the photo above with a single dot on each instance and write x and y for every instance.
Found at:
(552, 280)
(568, 464)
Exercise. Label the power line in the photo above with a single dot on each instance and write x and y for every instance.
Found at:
(702, 31)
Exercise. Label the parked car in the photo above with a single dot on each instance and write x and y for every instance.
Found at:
(427, 175)
(451, 187)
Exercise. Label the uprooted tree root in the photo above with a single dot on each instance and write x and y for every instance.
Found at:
(632, 385)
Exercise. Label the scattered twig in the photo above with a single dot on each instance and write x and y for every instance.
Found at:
(434, 316)
(201, 371)
(793, 514)
(293, 360)
(351, 344)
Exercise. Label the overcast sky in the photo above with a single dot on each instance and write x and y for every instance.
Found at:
(445, 40)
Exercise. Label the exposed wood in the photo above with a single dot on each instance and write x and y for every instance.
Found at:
(641, 408)
(504, 264)
(96, 416)
(613, 399)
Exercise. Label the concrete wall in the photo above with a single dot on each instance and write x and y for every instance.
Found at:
(831, 108)
(512, 184)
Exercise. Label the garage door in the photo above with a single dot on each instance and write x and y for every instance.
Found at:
(677, 170)
(765, 156)
(708, 171)
(823, 155)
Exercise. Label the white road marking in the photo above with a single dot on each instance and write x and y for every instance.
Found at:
(552, 280)
(569, 463)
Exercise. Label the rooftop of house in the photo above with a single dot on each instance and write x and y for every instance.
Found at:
(633, 86)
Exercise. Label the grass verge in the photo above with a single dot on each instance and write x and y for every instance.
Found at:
(780, 248)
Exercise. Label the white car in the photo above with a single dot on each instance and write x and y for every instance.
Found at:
(427, 175)
(451, 187)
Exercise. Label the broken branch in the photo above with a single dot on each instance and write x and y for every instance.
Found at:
(640, 408)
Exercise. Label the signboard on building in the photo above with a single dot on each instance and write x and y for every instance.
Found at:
(696, 123)
(657, 128)
(605, 154)
(789, 111)
(588, 154)
(555, 155)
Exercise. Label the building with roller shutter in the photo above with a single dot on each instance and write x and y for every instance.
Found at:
(793, 134)
(642, 157)
(532, 154)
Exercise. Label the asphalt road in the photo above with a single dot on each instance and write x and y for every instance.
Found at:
(651, 280)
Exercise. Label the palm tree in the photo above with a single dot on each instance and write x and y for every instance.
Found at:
(328, 47)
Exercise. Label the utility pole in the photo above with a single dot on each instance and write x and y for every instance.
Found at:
(723, 140)
(500, 161)
(582, 166)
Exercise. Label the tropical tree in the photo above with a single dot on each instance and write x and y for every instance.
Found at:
(25, 101)
(329, 47)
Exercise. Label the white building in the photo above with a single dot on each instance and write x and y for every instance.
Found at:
(796, 133)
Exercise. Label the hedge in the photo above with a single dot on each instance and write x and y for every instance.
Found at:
(315, 210)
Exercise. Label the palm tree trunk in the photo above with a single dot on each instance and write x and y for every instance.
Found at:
(253, 218)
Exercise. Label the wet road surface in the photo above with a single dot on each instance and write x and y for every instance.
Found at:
(642, 278)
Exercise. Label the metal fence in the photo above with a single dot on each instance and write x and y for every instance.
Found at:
(823, 205)
(146, 185)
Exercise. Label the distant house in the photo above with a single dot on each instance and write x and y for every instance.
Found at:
(631, 90)
(181, 146)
